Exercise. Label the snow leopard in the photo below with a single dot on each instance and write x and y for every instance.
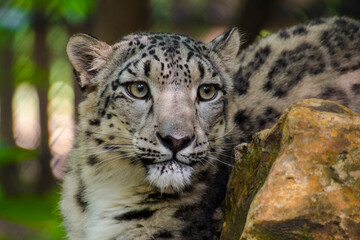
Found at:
(161, 113)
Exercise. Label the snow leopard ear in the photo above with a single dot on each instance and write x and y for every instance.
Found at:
(227, 45)
(87, 55)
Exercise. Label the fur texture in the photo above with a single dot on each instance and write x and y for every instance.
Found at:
(162, 112)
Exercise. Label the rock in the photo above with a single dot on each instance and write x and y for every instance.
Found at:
(299, 180)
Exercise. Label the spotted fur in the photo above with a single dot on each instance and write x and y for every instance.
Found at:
(319, 59)
(156, 167)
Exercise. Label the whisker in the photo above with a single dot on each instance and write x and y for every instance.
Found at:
(109, 161)
(223, 155)
(119, 146)
(204, 160)
(127, 136)
(119, 157)
(226, 133)
(113, 150)
(218, 160)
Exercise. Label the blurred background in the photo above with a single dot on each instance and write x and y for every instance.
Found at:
(38, 95)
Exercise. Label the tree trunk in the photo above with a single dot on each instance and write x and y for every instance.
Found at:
(7, 92)
(8, 174)
(117, 18)
(42, 58)
(253, 16)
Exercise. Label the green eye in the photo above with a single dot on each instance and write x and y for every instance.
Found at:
(207, 92)
(138, 89)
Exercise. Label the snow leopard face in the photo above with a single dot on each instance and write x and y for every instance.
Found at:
(157, 102)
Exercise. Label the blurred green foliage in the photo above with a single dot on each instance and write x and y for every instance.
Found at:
(11, 155)
(25, 215)
(37, 212)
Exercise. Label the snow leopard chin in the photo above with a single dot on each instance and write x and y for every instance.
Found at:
(170, 175)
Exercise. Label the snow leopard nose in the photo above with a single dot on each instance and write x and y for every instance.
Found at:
(174, 144)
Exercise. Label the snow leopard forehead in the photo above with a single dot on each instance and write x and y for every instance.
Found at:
(166, 58)
(94, 61)
(169, 43)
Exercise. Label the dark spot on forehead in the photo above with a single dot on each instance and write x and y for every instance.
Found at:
(201, 70)
(170, 49)
(176, 37)
(147, 67)
(190, 54)
(131, 72)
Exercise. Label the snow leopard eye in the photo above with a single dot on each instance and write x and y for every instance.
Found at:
(139, 90)
(207, 92)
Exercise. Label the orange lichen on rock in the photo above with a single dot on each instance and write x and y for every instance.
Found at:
(299, 180)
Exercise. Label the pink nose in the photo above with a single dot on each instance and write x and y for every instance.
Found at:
(174, 144)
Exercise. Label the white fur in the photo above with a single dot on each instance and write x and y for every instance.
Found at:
(170, 175)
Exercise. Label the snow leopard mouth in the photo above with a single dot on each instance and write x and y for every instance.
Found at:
(170, 173)
(174, 162)
(175, 165)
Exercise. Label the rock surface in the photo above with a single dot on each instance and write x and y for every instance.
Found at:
(298, 180)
